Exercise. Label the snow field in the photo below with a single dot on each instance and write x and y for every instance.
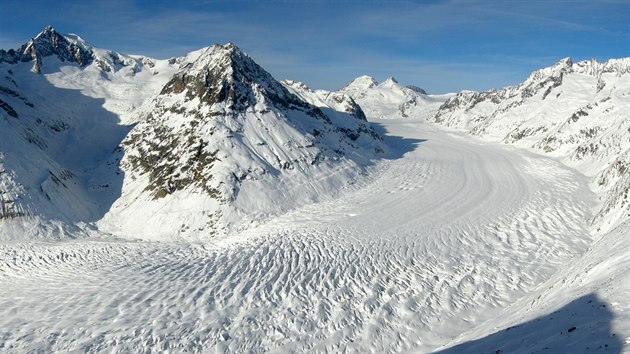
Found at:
(443, 237)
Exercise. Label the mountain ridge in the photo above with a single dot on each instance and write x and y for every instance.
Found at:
(206, 125)
(573, 111)
(392, 100)
(47, 43)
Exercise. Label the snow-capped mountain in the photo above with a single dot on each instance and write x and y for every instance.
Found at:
(390, 99)
(217, 128)
(340, 102)
(48, 43)
(224, 144)
(574, 111)
(62, 101)
(337, 239)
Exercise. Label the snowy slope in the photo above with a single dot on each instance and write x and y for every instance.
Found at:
(577, 112)
(337, 103)
(440, 240)
(212, 126)
(583, 308)
(390, 99)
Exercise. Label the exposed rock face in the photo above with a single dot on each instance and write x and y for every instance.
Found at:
(321, 98)
(539, 84)
(345, 103)
(59, 132)
(204, 134)
(224, 88)
(224, 74)
(417, 89)
(71, 49)
(221, 82)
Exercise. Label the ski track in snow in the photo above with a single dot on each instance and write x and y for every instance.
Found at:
(440, 240)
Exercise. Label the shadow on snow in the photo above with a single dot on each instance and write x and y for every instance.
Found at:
(66, 133)
(582, 326)
(397, 146)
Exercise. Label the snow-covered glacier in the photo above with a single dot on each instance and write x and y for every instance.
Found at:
(197, 204)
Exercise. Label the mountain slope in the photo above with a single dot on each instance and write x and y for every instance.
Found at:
(211, 129)
(577, 113)
(224, 144)
(65, 114)
(435, 243)
(61, 104)
(574, 111)
(48, 43)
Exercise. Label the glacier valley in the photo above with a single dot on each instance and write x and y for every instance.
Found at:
(197, 204)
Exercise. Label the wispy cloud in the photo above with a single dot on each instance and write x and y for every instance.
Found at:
(444, 45)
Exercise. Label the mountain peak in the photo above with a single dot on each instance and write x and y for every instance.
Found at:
(563, 63)
(47, 43)
(230, 46)
(362, 82)
(619, 66)
(554, 72)
(242, 123)
(48, 32)
(223, 74)
(390, 80)
(216, 54)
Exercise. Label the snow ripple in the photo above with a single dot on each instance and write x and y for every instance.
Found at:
(441, 239)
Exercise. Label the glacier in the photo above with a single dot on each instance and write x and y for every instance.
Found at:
(197, 204)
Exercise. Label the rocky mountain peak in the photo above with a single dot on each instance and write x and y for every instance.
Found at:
(48, 43)
(48, 34)
(222, 122)
(555, 71)
(224, 75)
(594, 67)
(564, 62)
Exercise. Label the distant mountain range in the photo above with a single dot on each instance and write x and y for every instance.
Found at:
(390, 99)
(210, 142)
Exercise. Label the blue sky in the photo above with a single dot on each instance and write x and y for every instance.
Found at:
(442, 46)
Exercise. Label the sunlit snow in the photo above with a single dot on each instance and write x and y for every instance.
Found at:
(491, 222)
